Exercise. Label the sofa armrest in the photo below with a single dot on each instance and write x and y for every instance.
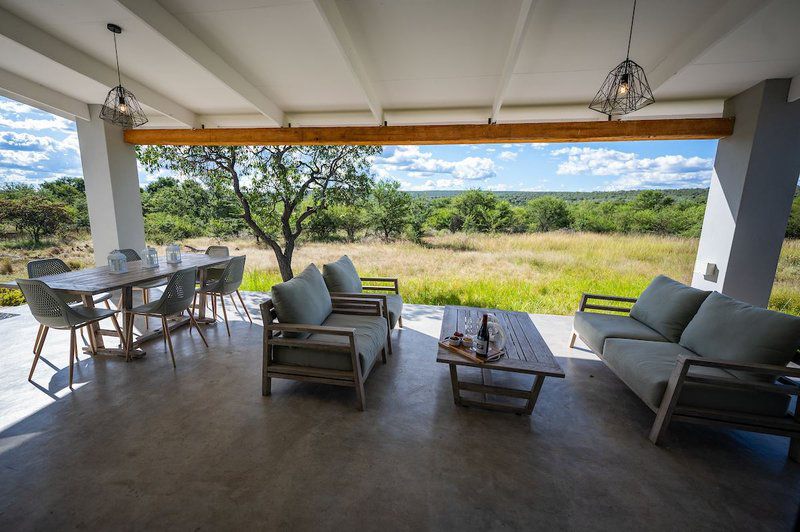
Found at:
(311, 329)
(586, 304)
(394, 288)
(345, 304)
(758, 369)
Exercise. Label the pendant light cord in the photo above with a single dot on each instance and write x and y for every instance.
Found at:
(116, 55)
(630, 34)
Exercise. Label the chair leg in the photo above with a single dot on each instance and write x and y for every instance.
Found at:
(383, 354)
(235, 308)
(73, 349)
(244, 306)
(37, 348)
(224, 313)
(400, 321)
(146, 300)
(192, 321)
(360, 394)
(165, 330)
(194, 302)
(214, 306)
(573, 338)
(92, 344)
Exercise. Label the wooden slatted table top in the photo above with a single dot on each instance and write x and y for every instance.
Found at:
(526, 350)
(101, 279)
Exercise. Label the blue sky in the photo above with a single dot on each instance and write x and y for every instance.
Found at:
(37, 146)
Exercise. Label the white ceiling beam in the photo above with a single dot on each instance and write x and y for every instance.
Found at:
(36, 95)
(332, 17)
(514, 47)
(794, 89)
(708, 32)
(41, 42)
(169, 27)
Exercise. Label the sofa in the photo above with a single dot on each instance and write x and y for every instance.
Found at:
(697, 356)
(310, 335)
(343, 280)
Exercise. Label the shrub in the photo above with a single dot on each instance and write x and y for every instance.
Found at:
(5, 267)
(547, 213)
(11, 298)
(163, 228)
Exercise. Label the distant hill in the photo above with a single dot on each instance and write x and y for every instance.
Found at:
(520, 197)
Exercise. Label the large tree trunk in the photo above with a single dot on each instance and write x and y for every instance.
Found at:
(284, 265)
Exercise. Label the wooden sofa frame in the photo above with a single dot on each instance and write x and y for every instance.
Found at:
(669, 410)
(393, 288)
(273, 337)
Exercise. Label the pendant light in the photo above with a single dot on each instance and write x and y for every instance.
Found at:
(121, 107)
(625, 89)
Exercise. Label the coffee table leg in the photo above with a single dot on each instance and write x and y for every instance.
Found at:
(454, 382)
(538, 380)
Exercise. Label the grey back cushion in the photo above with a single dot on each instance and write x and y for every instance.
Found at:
(341, 276)
(667, 306)
(728, 329)
(304, 299)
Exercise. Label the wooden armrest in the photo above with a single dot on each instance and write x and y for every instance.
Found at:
(360, 306)
(380, 279)
(763, 369)
(359, 295)
(586, 297)
(312, 329)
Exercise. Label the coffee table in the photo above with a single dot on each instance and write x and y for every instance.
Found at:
(526, 353)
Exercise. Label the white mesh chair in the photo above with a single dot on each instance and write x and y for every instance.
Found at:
(177, 297)
(52, 312)
(42, 267)
(215, 272)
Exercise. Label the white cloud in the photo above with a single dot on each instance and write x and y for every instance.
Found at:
(634, 172)
(37, 124)
(418, 164)
(508, 155)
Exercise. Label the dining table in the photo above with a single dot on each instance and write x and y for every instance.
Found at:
(92, 281)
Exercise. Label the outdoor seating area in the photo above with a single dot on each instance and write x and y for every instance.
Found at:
(376, 265)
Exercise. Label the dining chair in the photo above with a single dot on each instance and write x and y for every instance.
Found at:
(228, 283)
(132, 255)
(214, 272)
(52, 312)
(41, 267)
(177, 297)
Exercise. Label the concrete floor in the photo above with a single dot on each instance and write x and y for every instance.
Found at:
(143, 446)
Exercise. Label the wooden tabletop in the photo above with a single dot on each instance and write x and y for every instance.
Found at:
(97, 280)
(526, 350)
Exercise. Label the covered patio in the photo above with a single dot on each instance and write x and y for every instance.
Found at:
(142, 445)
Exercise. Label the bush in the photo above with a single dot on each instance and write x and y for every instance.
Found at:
(5, 267)
(547, 213)
(11, 298)
(164, 228)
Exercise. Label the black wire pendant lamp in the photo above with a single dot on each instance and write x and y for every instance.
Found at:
(121, 107)
(625, 89)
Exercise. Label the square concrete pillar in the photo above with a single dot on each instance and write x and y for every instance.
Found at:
(755, 174)
(112, 187)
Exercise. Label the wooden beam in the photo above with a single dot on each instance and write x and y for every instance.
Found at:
(599, 131)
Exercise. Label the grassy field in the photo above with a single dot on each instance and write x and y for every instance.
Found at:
(542, 273)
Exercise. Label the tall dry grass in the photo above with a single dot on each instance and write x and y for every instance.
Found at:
(543, 273)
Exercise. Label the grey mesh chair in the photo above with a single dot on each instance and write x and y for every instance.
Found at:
(43, 267)
(177, 297)
(215, 272)
(52, 312)
(228, 283)
(132, 255)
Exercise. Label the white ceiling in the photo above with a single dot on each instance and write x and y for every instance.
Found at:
(272, 62)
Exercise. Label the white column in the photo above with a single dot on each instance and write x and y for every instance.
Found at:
(112, 187)
(755, 174)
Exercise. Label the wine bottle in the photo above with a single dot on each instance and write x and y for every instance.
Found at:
(482, 340)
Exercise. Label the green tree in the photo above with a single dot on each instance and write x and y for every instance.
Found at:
(419, 212)
(389, 209)
(72, 192)
(793, 227)
(286, 185)
(35, 215)
(478, 209)
(352, 219)
(547, 213)
(652, 200)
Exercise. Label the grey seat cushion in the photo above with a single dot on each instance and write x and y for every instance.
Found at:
(727, 329)
(304, 299)
(370, 339)
(595, 328)
(395, 304)
(667, 306)
(341, 276)
(645, 367)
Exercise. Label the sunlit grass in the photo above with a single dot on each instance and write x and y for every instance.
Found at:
(541, 273)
